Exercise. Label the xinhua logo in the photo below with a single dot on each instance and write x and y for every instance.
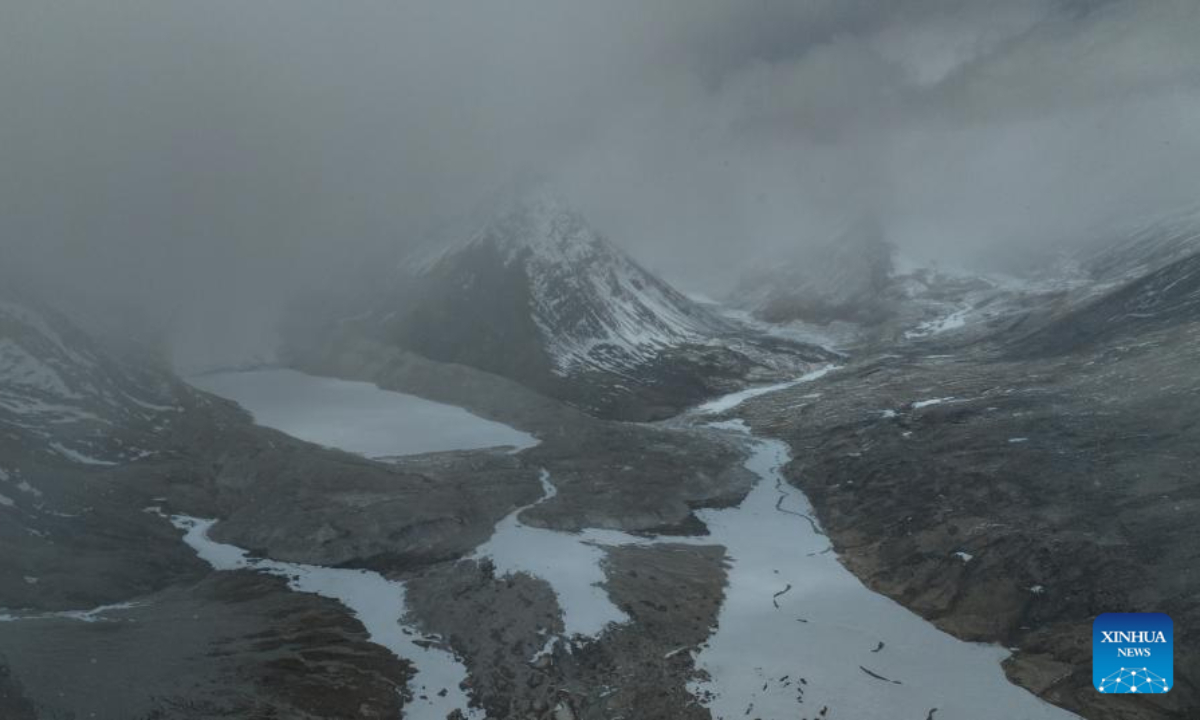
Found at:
(1133, 653)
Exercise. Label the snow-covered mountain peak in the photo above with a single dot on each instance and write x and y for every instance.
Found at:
(592, 304)
(544, 227)
(540, 297)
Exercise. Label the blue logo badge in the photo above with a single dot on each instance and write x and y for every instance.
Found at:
(1133, 653)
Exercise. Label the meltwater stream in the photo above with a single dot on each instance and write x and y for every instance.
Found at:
(377, 602)
(364, 419)
(797, 632)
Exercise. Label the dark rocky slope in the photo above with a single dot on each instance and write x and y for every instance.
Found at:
(1061, 461)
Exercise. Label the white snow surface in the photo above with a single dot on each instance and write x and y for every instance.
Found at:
(18, 367)
(76, 456)
(930, 402)
(96, 614)
(377, 602)
(357, 417)
(953, 321)
(732, 400)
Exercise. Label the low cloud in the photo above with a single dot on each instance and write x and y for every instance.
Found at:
(191, 159)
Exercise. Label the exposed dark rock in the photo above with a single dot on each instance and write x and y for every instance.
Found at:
(232, 645)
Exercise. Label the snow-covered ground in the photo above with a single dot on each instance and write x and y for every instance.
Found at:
(96, 614)
(357, 417)
(732, 400)
(953, 321)
(376, 601)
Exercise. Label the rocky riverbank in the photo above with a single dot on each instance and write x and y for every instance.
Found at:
(1012, 501)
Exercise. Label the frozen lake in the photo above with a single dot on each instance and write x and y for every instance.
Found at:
(357, 417)
(797, 631)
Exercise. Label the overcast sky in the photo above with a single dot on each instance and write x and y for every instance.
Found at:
(198, 155)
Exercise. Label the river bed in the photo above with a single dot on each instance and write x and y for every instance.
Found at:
(797, 631)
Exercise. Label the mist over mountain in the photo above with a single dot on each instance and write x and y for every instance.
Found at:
(195, 163)
(538, 296)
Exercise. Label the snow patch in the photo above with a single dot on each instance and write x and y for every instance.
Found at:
(76, 456)
(732, 400)
(953, 321)
(96, 614)
(927, 403)
(19, 368)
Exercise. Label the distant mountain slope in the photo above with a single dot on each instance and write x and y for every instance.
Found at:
(849, 278)
(539, 277)
(1144, 247)
(540, 297)
(62, 395)
(1164, 298)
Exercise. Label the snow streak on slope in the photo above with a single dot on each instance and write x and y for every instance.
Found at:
(732, 400)
(1141, 248)
(592, 304)
(66, 396)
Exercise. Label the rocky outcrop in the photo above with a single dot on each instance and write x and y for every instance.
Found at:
(501, 626)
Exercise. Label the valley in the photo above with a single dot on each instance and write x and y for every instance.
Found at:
(829, 529)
